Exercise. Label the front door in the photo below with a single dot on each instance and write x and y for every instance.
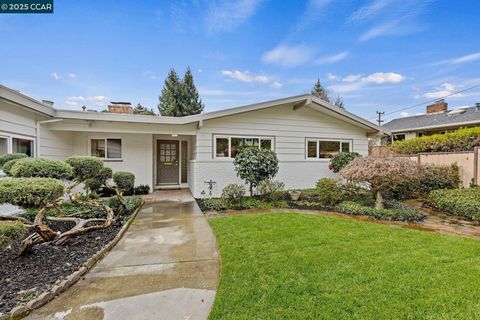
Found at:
(167, 162)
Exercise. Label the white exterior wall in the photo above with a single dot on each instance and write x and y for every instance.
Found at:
(290, 129)
(55, 145)
(137, 153)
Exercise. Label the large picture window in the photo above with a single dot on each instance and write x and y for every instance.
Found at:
(326, 149)
(229, 146)
(108, 148)
(20, 145)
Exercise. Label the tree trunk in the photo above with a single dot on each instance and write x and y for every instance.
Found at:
(251, 189)
(379, 201)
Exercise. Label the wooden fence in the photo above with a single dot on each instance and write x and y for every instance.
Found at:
(468, 162)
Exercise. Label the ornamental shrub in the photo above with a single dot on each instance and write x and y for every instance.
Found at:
(329, 192)
(254, 165)
(124, 180)
(271, 190)
(340, 160)
(96, 183)
(10, 231)
(461, 140)
(141, 189)
(41, 168)
(85, 167)
(458, 202)
(394, 211)
(11, 156)
(233, 193)
(30, 192)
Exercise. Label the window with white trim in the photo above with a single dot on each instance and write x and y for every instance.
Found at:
(107, 148)
(228, 146)
(20, 145)
(326, 149)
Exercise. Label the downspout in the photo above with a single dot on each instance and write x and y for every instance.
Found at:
(37, 133)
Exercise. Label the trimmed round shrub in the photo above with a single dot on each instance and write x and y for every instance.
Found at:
(30, 192)
(254, 165)
(10, 231)
(329, 192)
(340, 160)
(7, 167)
(11, 156)
(233, 193)
(85, 167)
(42, 168)
(124, 180)
(271, 190)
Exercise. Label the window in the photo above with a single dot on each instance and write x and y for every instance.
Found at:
(399, 137)
(325, 149)
(20, 145)
(229, 146)
(110, 149)
(3, 145)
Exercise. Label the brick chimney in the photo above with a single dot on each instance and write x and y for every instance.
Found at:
(437, 107)
(120, 107)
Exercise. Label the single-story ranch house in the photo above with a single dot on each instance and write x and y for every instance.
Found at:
(193, 152)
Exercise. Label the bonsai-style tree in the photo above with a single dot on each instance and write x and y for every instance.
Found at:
(254, 165)
(341, 160)
(381, 173)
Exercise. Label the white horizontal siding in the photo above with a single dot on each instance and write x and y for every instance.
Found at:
(15, 120)
(56, 145)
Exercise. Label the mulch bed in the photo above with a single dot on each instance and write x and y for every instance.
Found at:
(24, 278)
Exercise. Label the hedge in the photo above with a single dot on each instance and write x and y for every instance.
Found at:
(30, 192)
(124, 180)
(458, 202)
(395, 211)
(461, 140)
(7, 167)
(43, 168)
(7, 157)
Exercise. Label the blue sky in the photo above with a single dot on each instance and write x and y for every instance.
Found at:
(377, 54)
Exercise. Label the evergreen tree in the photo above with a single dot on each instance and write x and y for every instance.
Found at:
(339, 103)
(193, 102)
(319, 91)
(139, 109)
(171, 97)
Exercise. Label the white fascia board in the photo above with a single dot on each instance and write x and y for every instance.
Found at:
(24, 101)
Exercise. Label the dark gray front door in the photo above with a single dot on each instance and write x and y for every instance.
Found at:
(167, 162)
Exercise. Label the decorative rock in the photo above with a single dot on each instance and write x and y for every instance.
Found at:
(18, 312)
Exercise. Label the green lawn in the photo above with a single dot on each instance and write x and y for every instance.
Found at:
(299, 266)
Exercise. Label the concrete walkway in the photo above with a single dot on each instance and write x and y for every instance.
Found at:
(165, 267)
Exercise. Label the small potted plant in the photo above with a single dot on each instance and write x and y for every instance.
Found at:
(294, 194)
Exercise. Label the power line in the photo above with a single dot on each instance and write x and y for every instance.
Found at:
(432, 100)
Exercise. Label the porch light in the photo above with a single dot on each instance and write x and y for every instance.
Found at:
(174, 135)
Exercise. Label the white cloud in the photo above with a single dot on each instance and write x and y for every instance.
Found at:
(245, 76)
(342, 88)
(369, 10)
(314, 11)
(73, 101)
(332, 59)
(55, 76)
(331, 76)
(404, 114)
(388, 28)
(352, 78)
(72, 75)
(277, 85)
(443, 90)
(149, 74)
(228, 15)
(98, 100)
(288, 56)
(384, 77)
(463, 59)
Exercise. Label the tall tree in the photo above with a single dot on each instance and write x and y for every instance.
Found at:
(171, 98)
(193, 103)
(339, 102)
(319, 91)
(180, 97)
(139, 109)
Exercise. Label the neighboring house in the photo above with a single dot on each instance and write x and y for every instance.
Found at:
(438, 119)
(191, 151)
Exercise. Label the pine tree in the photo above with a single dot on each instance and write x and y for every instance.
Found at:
(139, 109)
(171, 98)
(319, 91)
(193, 102)
(339, 103)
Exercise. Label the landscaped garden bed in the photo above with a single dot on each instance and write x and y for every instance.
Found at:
(458, 202)
(299, 266)
(62, 233)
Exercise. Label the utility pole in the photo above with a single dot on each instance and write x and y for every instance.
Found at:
(379, 120)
